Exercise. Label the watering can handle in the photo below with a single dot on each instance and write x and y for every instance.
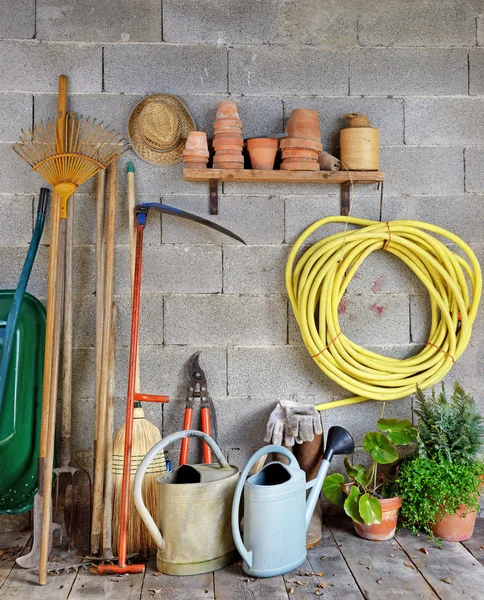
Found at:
(244, 553)
(157, 448)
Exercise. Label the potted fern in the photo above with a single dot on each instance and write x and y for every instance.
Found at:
(370, 499)
(440, 485)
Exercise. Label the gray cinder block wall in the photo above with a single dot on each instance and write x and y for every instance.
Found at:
(415, 68)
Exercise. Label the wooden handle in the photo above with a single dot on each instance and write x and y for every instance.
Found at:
(100, 240)
(104, 383)
(108, 476)
(54, 378)
(61, 114)
(132, 249)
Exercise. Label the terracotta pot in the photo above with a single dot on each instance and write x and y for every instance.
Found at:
(385, 530)
(227, 109)
(300, 166)
(228, 123)
(290, 142)
(455, 528)
(197, 140)
(299, 153)
(226, 151)
(292, 159)
(195, 165)
(228, 165)
(195, 159)
(220, 143)
(196, 153)
(233, 147)
(262, 153)
(228, 134)
(219, 130)
(304, 123)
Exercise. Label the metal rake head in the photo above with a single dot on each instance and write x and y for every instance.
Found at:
(72, 156)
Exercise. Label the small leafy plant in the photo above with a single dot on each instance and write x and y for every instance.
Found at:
(361, 498)
(446, 471)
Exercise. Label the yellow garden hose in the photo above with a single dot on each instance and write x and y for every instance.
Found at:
(317, 281)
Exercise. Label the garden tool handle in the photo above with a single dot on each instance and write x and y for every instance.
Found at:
(244, 553)
(207, 453)
(187, 425)
(138, 481)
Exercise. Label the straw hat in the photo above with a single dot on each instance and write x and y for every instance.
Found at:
(158, 128)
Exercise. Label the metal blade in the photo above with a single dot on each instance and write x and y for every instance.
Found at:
(177, 212)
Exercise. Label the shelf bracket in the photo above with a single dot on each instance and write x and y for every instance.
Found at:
(345, 199)
(213, 189)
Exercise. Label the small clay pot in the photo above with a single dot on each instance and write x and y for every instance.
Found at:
(290, 142)
(304, 123)
(380, 532)
(299, 153)
(196, 159)
(228, 165)
(227, 109)
(234, 147)
(225, 155)
(300, 166)
(196, 153)
(228, 123)
(262, 153)
(304, 159)
(197, 140)
(219, 130)
(229, 139)
(455, 528)
(195, 165)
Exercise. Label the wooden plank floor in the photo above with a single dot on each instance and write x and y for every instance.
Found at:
(342, 567)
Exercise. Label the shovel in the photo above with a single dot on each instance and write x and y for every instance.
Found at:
(77, 501)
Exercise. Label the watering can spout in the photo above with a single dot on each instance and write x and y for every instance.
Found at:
(339, 441)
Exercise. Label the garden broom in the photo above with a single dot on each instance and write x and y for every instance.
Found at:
(66, 152)
(145, 436)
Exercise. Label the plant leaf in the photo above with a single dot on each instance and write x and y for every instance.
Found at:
(356, 472)
(351, 505)
(370, 509)
(333, 487)
(399, 432)
(379, 447)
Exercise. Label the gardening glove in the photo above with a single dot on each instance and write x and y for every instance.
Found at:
(303, 421)
(277, 428)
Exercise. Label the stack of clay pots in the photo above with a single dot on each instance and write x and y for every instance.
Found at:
(300, 150)
(195, 154)
(228, 142)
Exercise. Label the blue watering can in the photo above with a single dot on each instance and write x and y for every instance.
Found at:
(276, 511)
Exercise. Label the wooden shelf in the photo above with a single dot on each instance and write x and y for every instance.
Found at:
(239, 175)
(342, 178)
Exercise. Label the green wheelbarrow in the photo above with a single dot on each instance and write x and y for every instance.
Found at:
(22, 339)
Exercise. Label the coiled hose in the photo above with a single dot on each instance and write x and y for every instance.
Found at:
(317, 281)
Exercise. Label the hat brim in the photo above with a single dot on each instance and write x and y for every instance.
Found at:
(147, 153)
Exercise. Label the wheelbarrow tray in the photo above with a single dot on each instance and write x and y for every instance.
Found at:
(22, 407)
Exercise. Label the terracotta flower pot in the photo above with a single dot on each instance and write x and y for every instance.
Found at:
(219, 130)
(292, 159)
(228, 165)
(455, 528)
(300, 166)
(299, 153)
(304, 123)
(195, 165)
(228, 123)
(233, 147)
(195, 159)
(262, 153)
(290, 142)
(232, 140)
(385, 530)
(200, 153)
(197, 140)
(227, 109)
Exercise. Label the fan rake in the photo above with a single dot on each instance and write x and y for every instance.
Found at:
(67, 158)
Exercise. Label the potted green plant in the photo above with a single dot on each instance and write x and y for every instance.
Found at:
(370, 499)
(440, 485)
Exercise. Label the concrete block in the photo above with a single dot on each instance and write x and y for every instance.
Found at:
(417, 24)
(469, 372)
(474, 175)
(257, 220)
(18, 21)
(422, 170)
(440, 211)
(380, 319)
(15, 114)
(420, 318)
(444, 121)
(288, 70)
(18, 231)
(480, 30)
(35, 67)
(252, 22)
(225, 320)
(173, 269)
(83, 374)
(254, 270)
(84, 269)
(476, 66)
(286, 371)
(16, 177)
(80, 21)
(12, 259)
(150, 327)
(303, 211)
(141, 67)
(384, 113)
(408, 71)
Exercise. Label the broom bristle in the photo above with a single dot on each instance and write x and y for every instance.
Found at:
(145, 436)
